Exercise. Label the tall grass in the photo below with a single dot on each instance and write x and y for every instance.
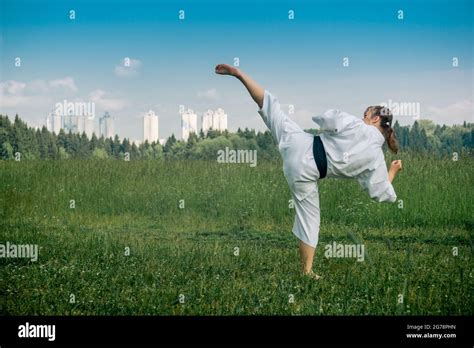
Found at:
(191, 250)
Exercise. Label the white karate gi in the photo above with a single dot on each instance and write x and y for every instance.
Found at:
(353, 150)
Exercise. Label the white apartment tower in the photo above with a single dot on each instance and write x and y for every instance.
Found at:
(150, 127)
(216, 120)
(54, 122)
(48, 122)
(207, 120)
(70, 123)
(188, 124)
(106, 126)
(220, 120)
(85, 124)
(57, 122)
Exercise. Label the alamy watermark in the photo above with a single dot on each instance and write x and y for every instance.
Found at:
(28, 251)
(66, 108)
(345, 250)
(37, 331)
(237, 156)
(409, 109)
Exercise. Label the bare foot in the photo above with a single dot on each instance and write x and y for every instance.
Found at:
(313, 275)
(225, 69)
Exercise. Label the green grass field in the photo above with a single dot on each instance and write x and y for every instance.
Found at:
(183, 260)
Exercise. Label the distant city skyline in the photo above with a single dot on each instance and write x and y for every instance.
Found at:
(129, 57)
(55, 121)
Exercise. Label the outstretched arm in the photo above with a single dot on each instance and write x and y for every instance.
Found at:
(256, 92)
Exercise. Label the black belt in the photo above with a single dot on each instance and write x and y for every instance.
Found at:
(320, 156)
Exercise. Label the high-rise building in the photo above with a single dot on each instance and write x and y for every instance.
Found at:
(188, 123)
(216, 120)
(150, 127)
(84, 124)
(106, 126)
(57, 122)
(49, 123)
(70, 123)
(220, 119)
(53, 122)
(207, 120)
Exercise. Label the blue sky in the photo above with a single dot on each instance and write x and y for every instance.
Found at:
(299, 60)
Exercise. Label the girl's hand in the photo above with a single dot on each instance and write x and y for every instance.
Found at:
(225, 69)
(396, 165)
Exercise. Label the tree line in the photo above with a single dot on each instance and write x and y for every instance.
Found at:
(18, 139)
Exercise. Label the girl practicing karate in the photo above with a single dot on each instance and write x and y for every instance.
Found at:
(348, 147)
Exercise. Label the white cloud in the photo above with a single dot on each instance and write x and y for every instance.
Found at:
(98, 96)
(37, 87)
(67, 83)
(210, 94)
(455, 113)
(16, 93)
(13, 101)
(12, 87)
(43, 94)
(21, 94)
(128, 67)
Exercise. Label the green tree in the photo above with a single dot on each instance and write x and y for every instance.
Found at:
(191, 145)
(169, 145)
(62, 153)
(134, 152)
(99, 153)
(125, 146)
(6, 150)
(94, 142)
(116, 146)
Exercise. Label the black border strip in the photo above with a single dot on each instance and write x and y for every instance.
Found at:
(218, 330)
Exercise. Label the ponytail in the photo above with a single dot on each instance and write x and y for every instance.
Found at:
(391, 139)
(386, 118)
